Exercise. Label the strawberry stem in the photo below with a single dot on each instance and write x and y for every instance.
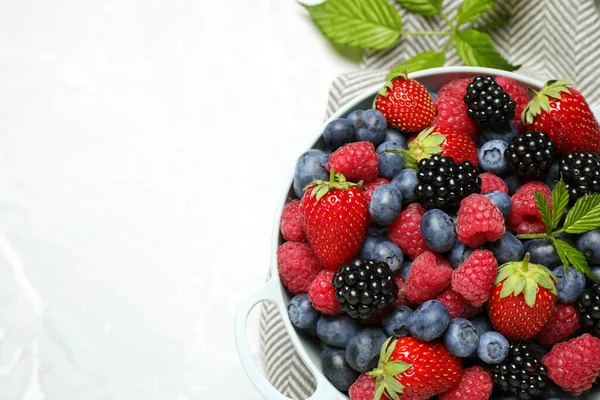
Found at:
(525, 265)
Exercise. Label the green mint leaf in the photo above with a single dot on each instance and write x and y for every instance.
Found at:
(569, 255)
(423, 7)
(476, 49)
(544, 209)
(373, 24)
(560, 200)
(470, 10)
(585, 215)
(492, 24)
(424, 60)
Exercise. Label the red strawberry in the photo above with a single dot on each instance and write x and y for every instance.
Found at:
(413, 370)
(406, 104)
(522, 299)
(443, 141)
(565, 116)
(335, 215)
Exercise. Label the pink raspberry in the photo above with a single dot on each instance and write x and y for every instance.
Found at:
(479, 221)
(458, 306)
(474, 278)
(322, 294)
(364, 388)
(574, 365)
(452, 113)
(372, 185)
(456, 89)
(475, 384)
(405, 231)
(525, 217)
(564, 321)
(402, 300)
(298, 266)
(517, 93)
(427, 278)
(291, 222)
(491, 183)
(356, 161)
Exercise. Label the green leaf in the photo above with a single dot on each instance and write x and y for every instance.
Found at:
(569, 255)
(504, 272)
(519, 285)
(544, 209)
(470, 10)
(397, 367)
(531, 289)
(423, 7)
(509, 286)
(424, 60)
(492, 24)
(560, 200)
(585, 215)
(379, 392)
(476, 48)
(373, 24)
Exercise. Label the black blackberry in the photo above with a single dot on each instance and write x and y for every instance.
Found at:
(522, 373)
(488, 104)
(530, 155)
(581, 173)
(364, 286)
(443, 183)
(589, 307)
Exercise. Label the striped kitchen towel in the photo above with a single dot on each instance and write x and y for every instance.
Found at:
(548, 38)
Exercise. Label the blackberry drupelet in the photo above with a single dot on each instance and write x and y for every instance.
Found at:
(443, 183)
(522, 373)
(531, 154)
(589, 307)
(364, 286)
(581, 173)
(488, 104)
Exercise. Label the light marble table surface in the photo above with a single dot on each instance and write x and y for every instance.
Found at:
(143, 148)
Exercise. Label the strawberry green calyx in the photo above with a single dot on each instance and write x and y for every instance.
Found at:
(386, 371)
(425, 145)
(541, 100)
(524, 277)
(336, 181)
(388, 84)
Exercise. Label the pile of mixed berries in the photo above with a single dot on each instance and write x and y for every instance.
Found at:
(425, 249)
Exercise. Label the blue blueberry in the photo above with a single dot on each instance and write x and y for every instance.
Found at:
(338, 330)
(481, 323)
(433, 95)
(502, 201)
(395, 322)
(552, 176)
(543, 252)
(491, 157)
(371, 127)
(488, 134)
(390, 164)
(336, 369)
(405, 269)
(596, 271)
(506, 249)
(492, 348)
(513, 182)
(553, 392)
(338, 133)
(429, 321)
(461, 337)
(310, 166)
(589, 245)
(362, 351)
(406, 181)
(438, 230)
(301, 312)
(459, 253)
(388, 253)
(385, 205)
(354, 117)
(366, 251)
(569, 286)
(392, 135)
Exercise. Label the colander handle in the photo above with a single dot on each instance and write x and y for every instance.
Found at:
(269, 292)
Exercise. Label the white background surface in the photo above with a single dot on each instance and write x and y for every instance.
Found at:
(144, 145)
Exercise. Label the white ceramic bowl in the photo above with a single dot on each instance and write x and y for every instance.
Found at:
(273, 291)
